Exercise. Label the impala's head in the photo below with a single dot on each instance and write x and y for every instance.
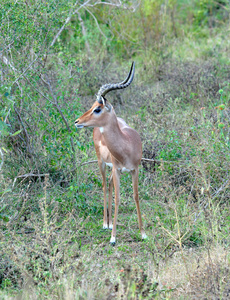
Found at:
(98, 115)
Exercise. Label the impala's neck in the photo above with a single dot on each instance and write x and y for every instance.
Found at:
(114, 137)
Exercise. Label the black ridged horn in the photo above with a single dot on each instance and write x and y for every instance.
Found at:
(116, 86)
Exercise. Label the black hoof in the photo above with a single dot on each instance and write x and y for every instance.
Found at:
(112, 244)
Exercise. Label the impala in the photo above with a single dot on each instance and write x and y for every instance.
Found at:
(118, 146)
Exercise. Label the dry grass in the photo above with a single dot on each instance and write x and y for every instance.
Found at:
(208, 278)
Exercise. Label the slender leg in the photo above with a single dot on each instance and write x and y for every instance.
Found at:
(136, 198)
(110, 201)
(116, 181)
(102, 167)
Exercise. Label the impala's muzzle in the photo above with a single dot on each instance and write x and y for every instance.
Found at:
(78, 125)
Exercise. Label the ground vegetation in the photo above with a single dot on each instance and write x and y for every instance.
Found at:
(54, 56)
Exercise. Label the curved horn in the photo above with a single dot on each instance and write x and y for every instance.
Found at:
(116, 86)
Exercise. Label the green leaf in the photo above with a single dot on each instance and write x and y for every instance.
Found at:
(16, 133)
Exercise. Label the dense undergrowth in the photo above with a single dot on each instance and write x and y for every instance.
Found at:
(52, 243)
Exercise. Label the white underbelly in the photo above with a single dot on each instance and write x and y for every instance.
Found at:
(125, 169)
(109, 165)
(119, 169)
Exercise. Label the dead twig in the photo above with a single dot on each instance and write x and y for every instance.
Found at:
(223, 187)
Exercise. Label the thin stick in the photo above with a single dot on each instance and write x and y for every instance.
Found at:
(2, 157)
(89, 162)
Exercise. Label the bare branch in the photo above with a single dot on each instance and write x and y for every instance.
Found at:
(6, 47)
(119, 4)
(85, 4)
(83, 29)
(7, 62)
(107, 3)
(21, 75)
(95, 19)
(68, 19)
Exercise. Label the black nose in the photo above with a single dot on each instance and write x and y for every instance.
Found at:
(76, 121)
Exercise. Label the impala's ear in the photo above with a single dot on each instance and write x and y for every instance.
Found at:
(108, 107)
(102, 100)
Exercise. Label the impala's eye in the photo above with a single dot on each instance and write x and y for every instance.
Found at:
(97, 110)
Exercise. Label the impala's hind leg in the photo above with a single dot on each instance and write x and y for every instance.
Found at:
(116, 182)
(136, 198)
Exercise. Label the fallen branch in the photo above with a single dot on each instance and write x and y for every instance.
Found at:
(143, 159)
(29, 175)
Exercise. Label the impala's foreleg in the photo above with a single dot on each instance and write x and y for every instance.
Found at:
(102, 167)
(136, 198)
(110, 201)
(116, 182)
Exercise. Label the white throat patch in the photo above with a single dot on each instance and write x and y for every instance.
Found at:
(101, 129)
